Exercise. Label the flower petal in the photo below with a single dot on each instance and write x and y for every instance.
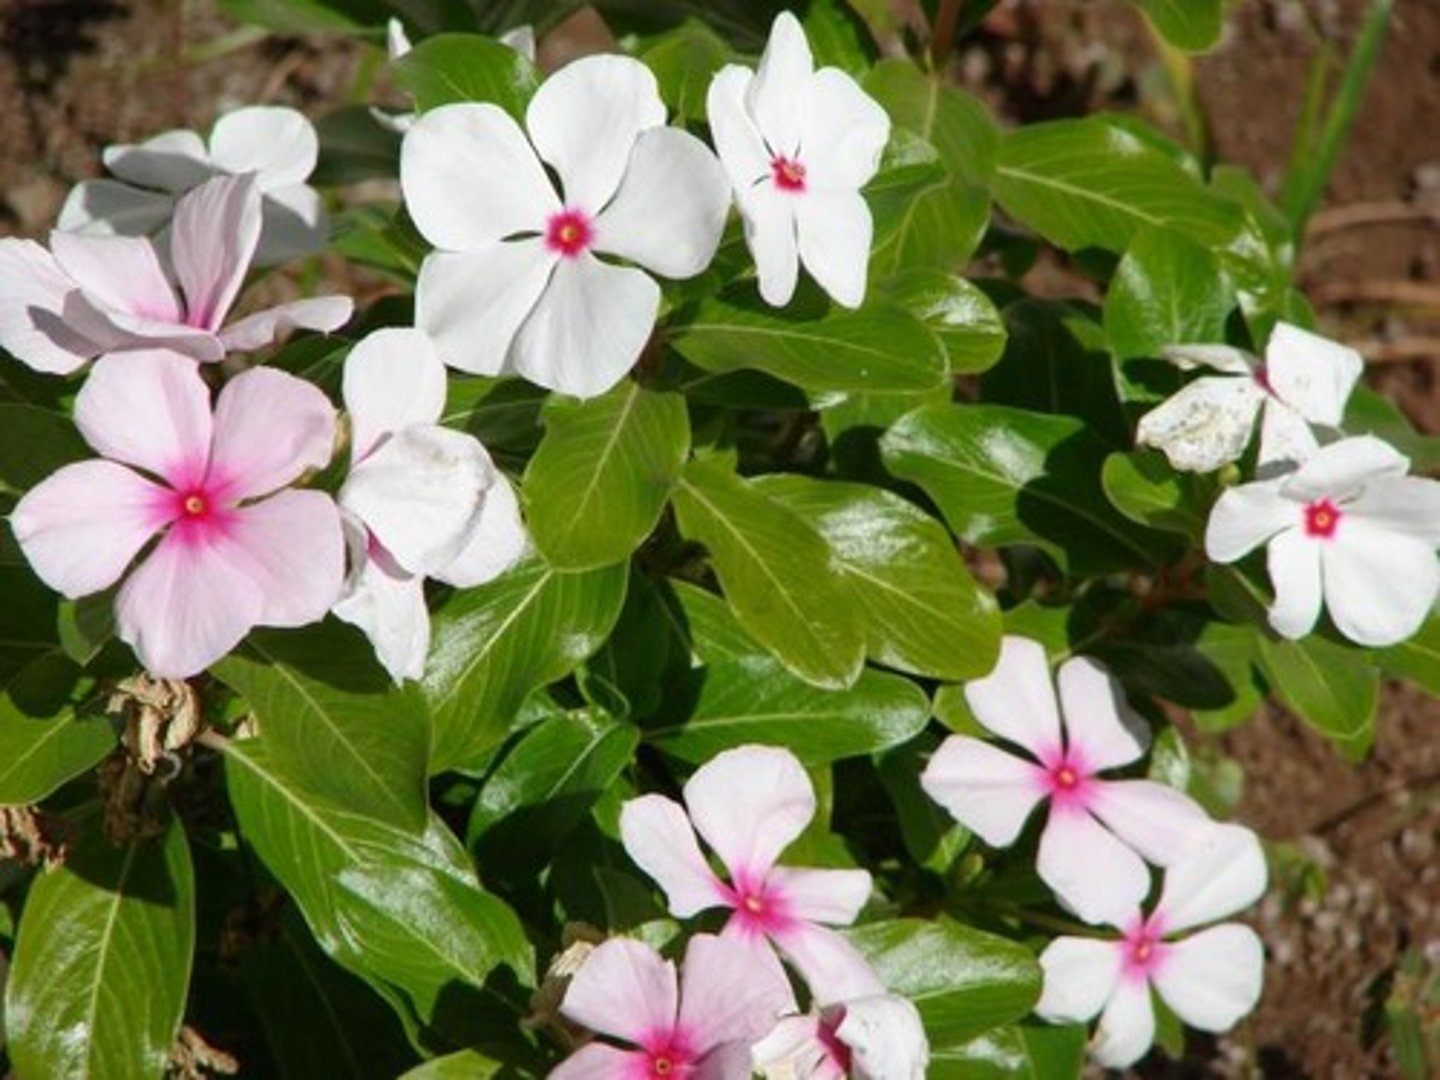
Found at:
(770, 233)
(1344, 469)
(600, 1061)
(150, 409)
(657, 835)
(624, 989)
(1246, 516)
(293, 224)
(1293, 560)
(773, 99)
(1017, 699)
(1099, 723)
(585, 119)
(292, 550)
(473, 303)
(392, 379)
(34, 293)
(212, 239)
(1310, 373)
(1080, 976)
(1224, 358)
(171, 161)
(834, 230)
(750, 803)
(1205, 424)
(833, 969)
(388, 605)
(470, 178)
(269, 428)
(109, 208)
(1213, 978)
(1162, 824)
(1285, 435)
(670, 208)
(730, 988)
(1216, 878)
(120, 272)
(844, 132)
(588, 327)
(795, 1048)
(1379, 585)
(737, 141)
(825, 896)
(1092, 872)
(323, 313)
(1127, 1027)
(886, 1038)
(81, 526)
(496, 542)
(276, 143)
(1402, 504)
(989, 791)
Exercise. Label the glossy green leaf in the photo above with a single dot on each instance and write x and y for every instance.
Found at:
(102, 959)
(878, 347)
(464, 1065)
(1417, 659)
(494, 644)
(603, 473)
(778, 574)
(923, 611)
(47, 736)
(27, 616)
(1143, 487)
(34, 442)
(333, 714)
(733, 702)
(1332, 688)
(684, 61)
(1034, 1050)
(1087, 183)
(1167, 291)
(1192, 25)
(1005, 476)
(450, 68)
(964, 317)
(709, 626)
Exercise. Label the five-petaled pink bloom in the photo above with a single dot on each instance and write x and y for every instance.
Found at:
(1098, 829)
(515, 285)
(92, 295)
(879, 1037)
(749, 804)
(235, 550)
(799, 144)
(1209, 979)
(729, 995)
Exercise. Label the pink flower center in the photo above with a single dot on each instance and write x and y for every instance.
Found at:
(1321, 519)
(195, 505)
(669, 1059)
(1067, 781)
(759, 910)
(569, 233)
(788, 173)
(1261, 375)
(1144, 948)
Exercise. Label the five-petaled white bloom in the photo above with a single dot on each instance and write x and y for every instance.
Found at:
(1304, 380)
(515, 284)
(1349, 527)
(798, 145)
(1209, 979)
(420, 501)
(278, 145)
(877, 1037)
(1098, 829)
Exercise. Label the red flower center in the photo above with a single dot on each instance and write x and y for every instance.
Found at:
(1321, 519)
(194, 505)
(569, 233)
(788, 173)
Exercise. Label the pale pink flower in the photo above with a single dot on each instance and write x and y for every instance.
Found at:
(877, 1037)
(421, 500)
(515, 285)
(1098, 829)
(749, 804)
(90, 295)
(1208, 979)
(235, 550)
(1348, 527)
(799, 144)
(729, 995)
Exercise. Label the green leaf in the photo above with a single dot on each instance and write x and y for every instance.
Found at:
(1417, 659)
(1371, 413)
(306, 16)
(451, 68)
(923, 612)
(1167, 291)
(1005, 476)
(464, 1065)
(963, 981)
(931, 836)
(45, 739)
(341, 725)
(684, 61)
(707, 623)
(878, 347)
(1039, 1051)
(1144, 488)
(603, 473)
(778, 574)
(1086, 183)
(961, 315)
(733, 702)
(34, 442)
(1192, 25)
(102, 959)
(27, 616)
(354, 146)
(495, 644)
(1332, 688)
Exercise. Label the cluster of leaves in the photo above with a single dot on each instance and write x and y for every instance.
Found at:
(753, 540)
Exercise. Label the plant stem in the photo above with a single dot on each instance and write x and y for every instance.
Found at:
(942, 40)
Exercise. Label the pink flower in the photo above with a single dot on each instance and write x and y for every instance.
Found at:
(235, 551)
(1209, 980)
(730, 994)
(1098, 830)
(878, 1037)
(749, 804)
(90, 295)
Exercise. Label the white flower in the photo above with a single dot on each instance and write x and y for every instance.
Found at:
(1349, 527)
(1209, 979)
(798, 145)
(277, 144)
(877, 1037)
(420, 501)
(515, 284)
(1304, 380)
